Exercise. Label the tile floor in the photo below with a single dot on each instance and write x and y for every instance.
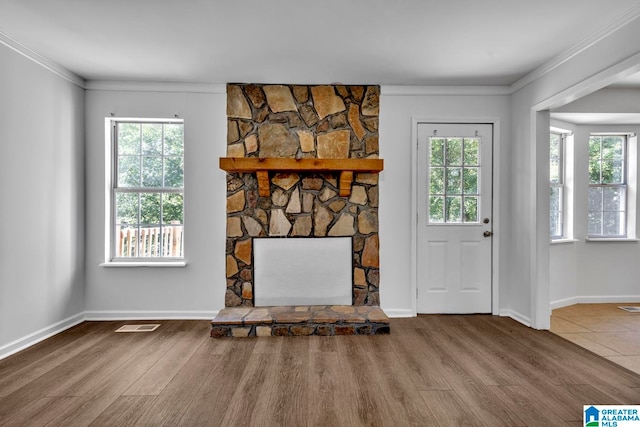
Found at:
(602, 328)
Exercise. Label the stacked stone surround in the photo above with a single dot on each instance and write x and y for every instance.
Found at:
(292, 121)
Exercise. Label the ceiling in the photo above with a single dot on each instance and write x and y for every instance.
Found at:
(401, 42)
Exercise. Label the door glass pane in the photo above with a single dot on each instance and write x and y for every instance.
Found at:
(436, 180)
(454, 181)
(436, 209)
(454, 151)
(470, 178)
(471, 151)
(471, 209)
(437, 152)
(453, 209)
(453, 172)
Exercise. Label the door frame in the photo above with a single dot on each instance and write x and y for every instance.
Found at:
(495, 241)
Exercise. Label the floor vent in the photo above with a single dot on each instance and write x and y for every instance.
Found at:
(631, 309)
(138, 328)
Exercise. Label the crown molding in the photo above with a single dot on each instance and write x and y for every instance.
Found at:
(578, 48)
(139, 86)
(41, 60)
(444, 90)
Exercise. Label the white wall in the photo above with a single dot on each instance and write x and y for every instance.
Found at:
(41, 203)
(396, 145)
(197, 290)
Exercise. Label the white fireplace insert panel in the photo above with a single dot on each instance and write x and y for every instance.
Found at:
(302, 271)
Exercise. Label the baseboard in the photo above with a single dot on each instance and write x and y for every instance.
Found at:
(148, 315)
(518, 317)
(398, 312)
(41, 335)
(594, 299)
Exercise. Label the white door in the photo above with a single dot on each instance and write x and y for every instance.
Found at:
(454, 218)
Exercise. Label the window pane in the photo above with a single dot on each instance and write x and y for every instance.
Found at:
(454, 151)
(471, 151)
(613, 223)
(128, 171)
(173, 171)
(470, 209)
(470, 180)
(129, 138)
(173, 139)
(453, 209)
(436, 181)
(172, 208)
(436, 209)
(595, 223)
(152, 171)
(594, 159)
(151, 138)
(127, 209)
(454, 180)
(554, 199)
(595, 198)
(437, 151)
(613, 199)
(149, 209)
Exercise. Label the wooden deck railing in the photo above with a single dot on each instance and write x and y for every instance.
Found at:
(150, 242)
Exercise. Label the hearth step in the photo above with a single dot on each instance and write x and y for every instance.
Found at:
(299, 321)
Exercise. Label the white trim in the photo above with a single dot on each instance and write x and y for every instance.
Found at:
(132, 86)
(40, 335)
(594, 299)
(144, 264)
(398, 312)
(148, 315)
(51, 66)
(576, 49)
(444, 90)
(611, 239)
(518, 317)
(495, 279)
(560, 241)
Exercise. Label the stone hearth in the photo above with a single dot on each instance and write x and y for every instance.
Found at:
(299, 321)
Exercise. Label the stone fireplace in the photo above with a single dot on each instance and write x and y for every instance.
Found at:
(302, 162)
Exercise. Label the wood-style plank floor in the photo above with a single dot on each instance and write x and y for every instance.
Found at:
(441, 370)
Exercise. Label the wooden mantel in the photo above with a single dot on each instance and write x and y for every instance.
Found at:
(262, 167)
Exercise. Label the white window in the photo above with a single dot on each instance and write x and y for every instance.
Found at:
(608, 186)
(561, 183)
(557, 185)
(147, 187)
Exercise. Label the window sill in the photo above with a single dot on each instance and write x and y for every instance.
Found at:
(611, 239)
(561, 241)
(160, 264)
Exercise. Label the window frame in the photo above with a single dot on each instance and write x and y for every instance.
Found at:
(112, 189)
(625, 222)
(560, 185)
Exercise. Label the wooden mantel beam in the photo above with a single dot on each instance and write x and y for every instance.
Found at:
(262, 167)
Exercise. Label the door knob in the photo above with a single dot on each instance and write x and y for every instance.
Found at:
(487, 233)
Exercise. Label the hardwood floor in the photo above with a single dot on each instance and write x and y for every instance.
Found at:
(430, 371)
